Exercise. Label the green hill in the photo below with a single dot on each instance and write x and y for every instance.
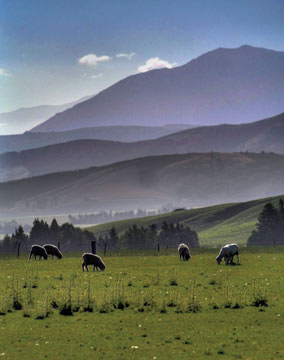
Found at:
(216, 225)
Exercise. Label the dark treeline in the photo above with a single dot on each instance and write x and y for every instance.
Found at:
(75, 239)
(106, 216)
(69, 237)
(136, 238)
(270, 226)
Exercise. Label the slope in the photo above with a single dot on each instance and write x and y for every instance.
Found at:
(20, 120)
(190, 180)
(216, 225)
(264, 135)
(222, 86)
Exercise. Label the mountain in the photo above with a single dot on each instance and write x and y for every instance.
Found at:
(18, 121)
(216, 225)
(222, 86)
(264, 135)
(189, 180)
(32, 140)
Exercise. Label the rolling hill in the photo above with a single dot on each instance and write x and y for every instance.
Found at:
(216, 225)
(184, 180)
(32, 140)
(264, 135)
(222, 86)
(18, 121)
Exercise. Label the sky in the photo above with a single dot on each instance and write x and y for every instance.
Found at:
(55, 51)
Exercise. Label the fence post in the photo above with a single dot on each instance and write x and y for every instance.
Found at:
(105, 249)
(58, 245)
(158, 247)
(94, 246)
(19, 246)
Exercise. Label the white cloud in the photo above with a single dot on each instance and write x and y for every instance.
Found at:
(3, 72)
(93, 59)
(155, 63)
(126, 56)
(96, 76)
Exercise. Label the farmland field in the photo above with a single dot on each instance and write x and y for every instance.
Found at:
(144, 306)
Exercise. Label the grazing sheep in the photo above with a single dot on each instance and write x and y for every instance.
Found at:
(183, 251)
(38, 250)
(228, 252)
(91, 259)
(53, 251)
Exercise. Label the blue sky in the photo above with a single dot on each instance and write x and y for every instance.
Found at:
(41, 42)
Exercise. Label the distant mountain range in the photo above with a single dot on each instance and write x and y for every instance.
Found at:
(18, 121)
(265, 135)
(32, 140)
(191, 180)
(222, 86)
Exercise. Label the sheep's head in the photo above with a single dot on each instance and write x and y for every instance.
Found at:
(218, 259)
(102, 266)
(187, 256)
(60, 256)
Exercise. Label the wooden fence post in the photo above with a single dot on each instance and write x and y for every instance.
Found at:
(19, 246)
(58, 245)
(94, 246)
(158, 247)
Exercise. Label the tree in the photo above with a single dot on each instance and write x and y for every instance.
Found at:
(268, 229)
(113, 238)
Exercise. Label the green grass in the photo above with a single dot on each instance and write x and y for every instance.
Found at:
(215, 225)
(144, 307)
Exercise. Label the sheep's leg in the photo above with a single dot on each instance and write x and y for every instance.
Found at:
(86, 266)
(83, 266)
(30, 255)
(238, 258)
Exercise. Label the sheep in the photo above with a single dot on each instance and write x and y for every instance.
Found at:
(91, 259)
(37, 250)
(53, 251)
(228, 252)
(183, 251)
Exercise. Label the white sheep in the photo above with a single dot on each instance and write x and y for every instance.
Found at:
(228, 252)
(92, 259)
(183, 251)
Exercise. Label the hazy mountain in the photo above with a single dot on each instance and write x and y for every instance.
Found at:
(264, 135)
(221, 86)
(18, 121)
(32, 140)
(190, 180)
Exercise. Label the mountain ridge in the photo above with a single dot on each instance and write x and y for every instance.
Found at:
(222, 86)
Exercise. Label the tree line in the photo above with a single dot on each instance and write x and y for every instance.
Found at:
(70, 238)
(73, 238)
(270, 226)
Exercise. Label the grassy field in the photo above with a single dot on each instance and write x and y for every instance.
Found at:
(144, 306)
(216, 225)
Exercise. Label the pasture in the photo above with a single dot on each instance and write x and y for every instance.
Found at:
(143, 306)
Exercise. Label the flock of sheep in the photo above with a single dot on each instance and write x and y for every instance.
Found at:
(227, 253)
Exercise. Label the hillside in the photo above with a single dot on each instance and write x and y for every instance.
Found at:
(216, 225)
(264, 135)
(222, 86)
(184, 180)
(32, 140)
(18, 121)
